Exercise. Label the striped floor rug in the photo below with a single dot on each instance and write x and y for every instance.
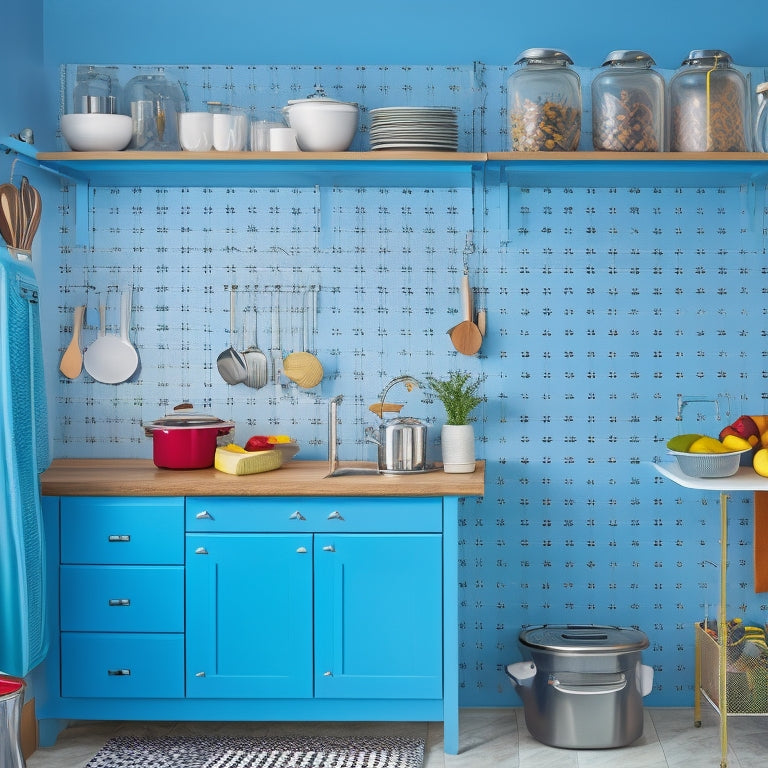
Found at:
(259, 752)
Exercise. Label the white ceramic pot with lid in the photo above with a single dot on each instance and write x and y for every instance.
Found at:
(322, 124)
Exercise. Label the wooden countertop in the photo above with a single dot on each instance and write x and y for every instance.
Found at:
(140, 477)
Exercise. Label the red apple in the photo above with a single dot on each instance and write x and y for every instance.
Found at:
(745, 427)
(729, 430)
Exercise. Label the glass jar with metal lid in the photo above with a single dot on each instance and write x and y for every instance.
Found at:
(761, 121)
(544, 102)
(628, 104)
(709, 105)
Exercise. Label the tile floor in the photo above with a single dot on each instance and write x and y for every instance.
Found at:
(494, 738)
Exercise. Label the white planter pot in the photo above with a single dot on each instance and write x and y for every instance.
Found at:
(458, 444)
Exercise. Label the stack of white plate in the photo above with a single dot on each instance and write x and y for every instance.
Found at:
(419, 128)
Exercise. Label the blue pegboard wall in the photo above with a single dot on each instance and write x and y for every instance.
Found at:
(603, 305)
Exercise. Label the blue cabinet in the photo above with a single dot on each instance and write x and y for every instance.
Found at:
(249, 615)
(356, 613)
(251, 608)
(378, 616)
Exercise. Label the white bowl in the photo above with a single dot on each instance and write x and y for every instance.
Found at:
(96, 132)
(322, 125)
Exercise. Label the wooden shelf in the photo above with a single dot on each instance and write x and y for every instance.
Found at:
(627, 169)
(267, 169)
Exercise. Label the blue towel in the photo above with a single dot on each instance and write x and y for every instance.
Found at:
(23, 455)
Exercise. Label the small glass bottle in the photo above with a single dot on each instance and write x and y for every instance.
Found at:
(761, 121)
(544, 102)
(709, 107)
(628, 104)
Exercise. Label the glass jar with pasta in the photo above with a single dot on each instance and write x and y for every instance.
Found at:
(709, 105)
(544, 103)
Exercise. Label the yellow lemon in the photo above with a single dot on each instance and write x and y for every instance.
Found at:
(707, 444)
(736, 443)
(760, 462)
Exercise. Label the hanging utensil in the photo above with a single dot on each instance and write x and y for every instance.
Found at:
(466, 336)
(230, 362)
(276, 349)
(303, 368)
(112, 359)
(71, 364)
(255, 359)
(9, 214)
(32, 206)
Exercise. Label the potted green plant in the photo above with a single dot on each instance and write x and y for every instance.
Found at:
(458, 394)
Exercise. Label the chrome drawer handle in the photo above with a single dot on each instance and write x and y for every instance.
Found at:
(296, 516)
(119, 601)
(201, 551)
(327, 674)
(335, 515)
(119, 672)
(329, 548)
(204, 515)
(199, 674)
(302, 550)
(118, 537)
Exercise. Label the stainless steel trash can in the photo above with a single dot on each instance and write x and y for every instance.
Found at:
(11, 701)
(583, 685)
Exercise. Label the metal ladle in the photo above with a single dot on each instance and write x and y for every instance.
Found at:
(230, 362)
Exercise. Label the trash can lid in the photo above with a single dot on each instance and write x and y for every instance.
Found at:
(584, 638)
(10, 685)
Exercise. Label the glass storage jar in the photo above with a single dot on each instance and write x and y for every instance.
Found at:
(709, 105)
(544, 102)
(628, 104)
(154, 103)
(97, 89)
(761, 121)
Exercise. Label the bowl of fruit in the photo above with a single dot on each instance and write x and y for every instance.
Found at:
(705, 456)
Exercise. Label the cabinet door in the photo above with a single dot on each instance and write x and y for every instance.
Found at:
(378, 614)
(249, 615)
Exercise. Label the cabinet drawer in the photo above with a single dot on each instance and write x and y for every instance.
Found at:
(321, 515)
(122, 666)
(122, 598)
(122, 531)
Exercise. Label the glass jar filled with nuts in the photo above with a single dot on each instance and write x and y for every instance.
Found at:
(544, 103)
(709, 106)
(628, 104)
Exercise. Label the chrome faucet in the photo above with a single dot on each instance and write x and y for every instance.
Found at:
(334, 470)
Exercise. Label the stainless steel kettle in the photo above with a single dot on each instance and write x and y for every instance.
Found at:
(402, 444)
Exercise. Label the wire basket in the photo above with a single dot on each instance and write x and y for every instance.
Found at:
(708, 464)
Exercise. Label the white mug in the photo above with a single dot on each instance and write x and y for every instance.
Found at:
(196, 131)
(283, 140)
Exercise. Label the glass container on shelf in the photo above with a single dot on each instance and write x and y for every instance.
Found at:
(761, 121)
(97, 89)
(709, 105)
(628, 104)
(544, 102)
(154, 103)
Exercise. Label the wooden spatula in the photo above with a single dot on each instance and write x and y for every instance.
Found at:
(71, 364)
(466, 336)
(9, 214)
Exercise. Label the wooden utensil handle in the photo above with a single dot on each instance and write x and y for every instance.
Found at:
(466, 297)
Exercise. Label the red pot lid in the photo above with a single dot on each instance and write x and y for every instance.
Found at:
(10, 685)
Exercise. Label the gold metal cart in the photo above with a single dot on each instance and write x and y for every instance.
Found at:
(746, 480)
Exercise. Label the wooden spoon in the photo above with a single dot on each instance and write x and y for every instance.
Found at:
(466, 336)
(71, 363)
(9, 214)
(35, 210)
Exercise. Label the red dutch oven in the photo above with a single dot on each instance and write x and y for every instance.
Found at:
(184, 439)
